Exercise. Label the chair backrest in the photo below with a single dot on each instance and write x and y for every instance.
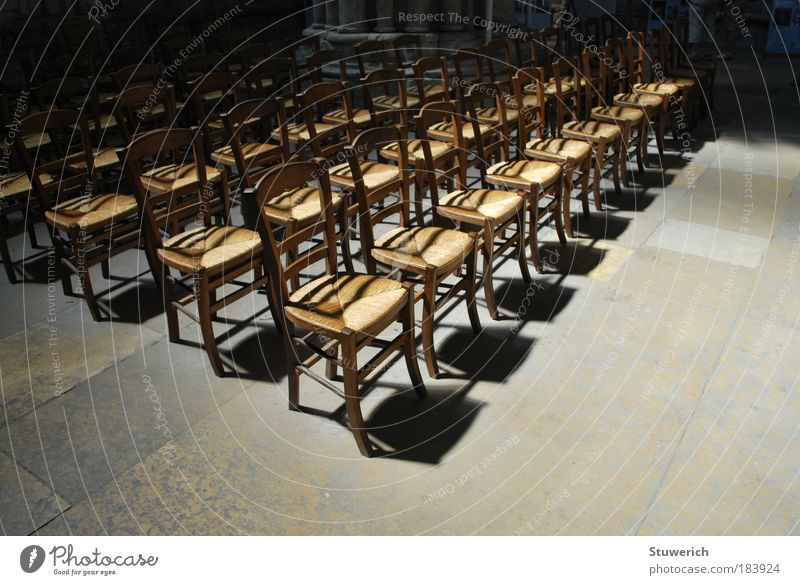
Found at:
(530, 117)
(635, 55)
(280, 256)
(255, 121)
(319, 59)
(491, 143)
(442, 114)
(617, 76)
(565, 71)
(272, 77)
(387, 82)
(136, 109)
(407, 50)
(468, 68)
(426, 64)
(371, 52)
(171, 210)
(525, 48)
(553, 42)
(136, 74)
(49, 160)
(499, 62)
(314, 103)
(211, 94)
(372, 205)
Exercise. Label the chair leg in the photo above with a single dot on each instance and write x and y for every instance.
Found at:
(352, 401)
(587, 165)
(567, 186)
(410, 347)
(32, 235)
(171, 312)
(472, 277)
(418, 195)
(488, 268)
(557, 190)
(642, 159)
(597, 175)
(83, 273)
(104, 269)
(660, 125)
(204, 297)
(344, 227)
(428, 311)
(533, 238)
(615, 172)
(8, 262)
(521, 240)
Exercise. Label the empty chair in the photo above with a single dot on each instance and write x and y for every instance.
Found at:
(339, 314)
(204, 259)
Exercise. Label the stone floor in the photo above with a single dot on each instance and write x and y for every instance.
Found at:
(646, 386)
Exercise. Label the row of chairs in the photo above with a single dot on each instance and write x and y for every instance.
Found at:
(307, 168)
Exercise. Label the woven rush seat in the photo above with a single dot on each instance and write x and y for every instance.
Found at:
(103, 158)
(520, 174)
(491, 115)
(475, 205)
(210, 248)
(423, 247)
(669, 89)
(15, 184)
(392, 102)
(594, 129)
(300, 133)
(627, 113)
(637, 99)
(91, 212)
(430, 89)
(444, 131)
(173, 177)
(350, 301)
(415, 149)
(360, 117)
(300, 205)
(560, 147)
(375, 175)
(682, 82)
(550, 88)
(250, 152)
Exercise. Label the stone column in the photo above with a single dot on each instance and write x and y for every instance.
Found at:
(418, 7)
(353, 16)
(384, 11)
(454, 18)
(318, 14)
(332, 14)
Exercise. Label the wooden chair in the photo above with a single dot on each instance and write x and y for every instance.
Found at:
(317, 61)
(532, 116)
(447, 155)
(79, 93)
(250, 150)
(428, 254)
(385, 97)
(653, 105)
(314, 136)
(341, 313)
(371, 53)
(631, 121)
(272, 77)
(87, 228)
(144, 107)
(205, 258)
(136, 74)
(209, 96)
(468, 68)
(607, 140)
(661, 70)
(407, 51)
(537, 181)
(490, 212)
(431, 89)
(573, 155)
(499, 62)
